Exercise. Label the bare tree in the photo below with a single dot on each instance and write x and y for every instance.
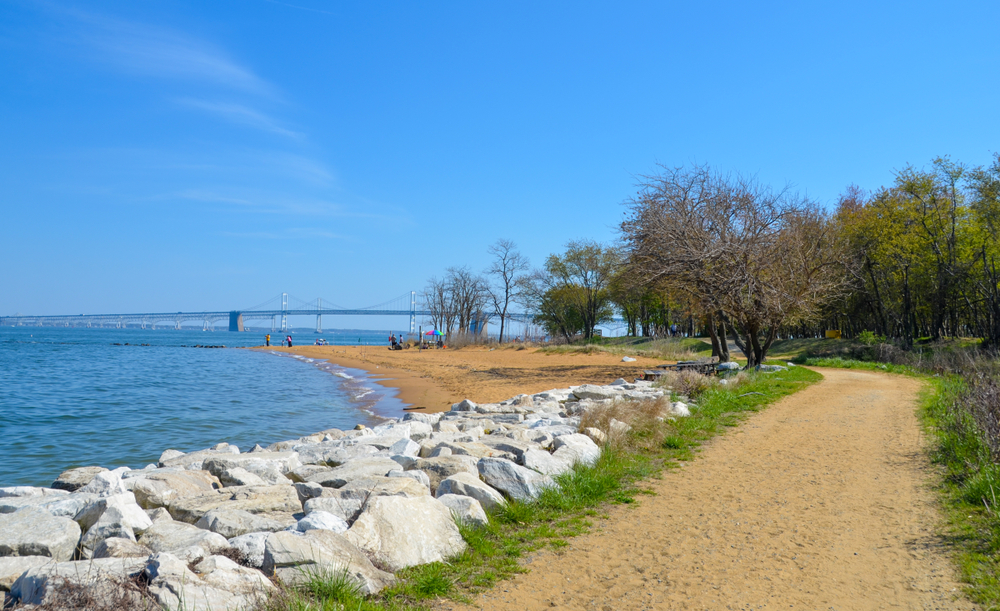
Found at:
(507, 269)
(756, 257)
(438, 301)
(468, 296)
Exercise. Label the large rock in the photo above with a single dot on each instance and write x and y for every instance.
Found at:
(131, 516)
(267, 465)
(12, 567)
(117, 547)
(166, 536)
(20, 491)
(251, 545)
(321, 520)
(464, 509)
(415, 474)
(576, 448)
(402, 532)
(464, 405)
(281, 499)
(517, 482)
(215, 583)
(45, 583)
(360, 468)
(106, 483)
(348, 502)
(444, 467)
(474, 449)
(194, 460)
(516, 445)
(331, 454)
(469, 485)
(34, 532)
(161, 489)
(293, 558)
(543, 462)
(74, 479)
(234, 522)
(63, 504)
(238, 476)
(589, 391)
(112, 524)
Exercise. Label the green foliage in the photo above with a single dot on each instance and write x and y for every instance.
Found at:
(969, 488)
(869, 338)
(572, 294)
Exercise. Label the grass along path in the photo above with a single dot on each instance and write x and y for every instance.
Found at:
(819, 502)
(497, 552)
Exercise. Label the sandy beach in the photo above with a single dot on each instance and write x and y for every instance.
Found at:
(435, 379)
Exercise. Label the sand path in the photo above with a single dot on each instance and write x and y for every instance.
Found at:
(821, 501)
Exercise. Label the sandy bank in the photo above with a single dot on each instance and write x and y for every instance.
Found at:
(435, 379)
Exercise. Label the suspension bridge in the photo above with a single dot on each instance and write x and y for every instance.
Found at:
(278, 309)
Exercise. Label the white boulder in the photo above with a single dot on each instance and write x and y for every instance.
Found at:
(403, 532)
(293, 558)
(464, 509)
(517, 482)
(35, 532)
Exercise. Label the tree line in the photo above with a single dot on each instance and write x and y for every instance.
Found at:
(727, 257)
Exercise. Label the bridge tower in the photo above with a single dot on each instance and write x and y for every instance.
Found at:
(319, 316)
(413, 313)
(284, 312)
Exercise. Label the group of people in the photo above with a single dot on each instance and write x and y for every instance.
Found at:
(395, 343)
(267, 340)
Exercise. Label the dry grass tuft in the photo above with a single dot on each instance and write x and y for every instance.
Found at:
(645, 418)
(104, 594)
(693, 384)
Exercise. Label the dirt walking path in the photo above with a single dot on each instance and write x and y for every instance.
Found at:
(821, 501)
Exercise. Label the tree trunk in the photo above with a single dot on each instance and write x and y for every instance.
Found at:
(716, 347)
(724, 341)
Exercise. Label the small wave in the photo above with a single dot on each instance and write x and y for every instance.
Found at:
(341, 374)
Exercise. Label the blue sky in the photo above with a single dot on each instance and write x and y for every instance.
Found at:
(165, 156)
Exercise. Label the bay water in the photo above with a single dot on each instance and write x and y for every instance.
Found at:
(73, 397)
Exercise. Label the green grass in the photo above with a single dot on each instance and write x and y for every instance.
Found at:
(842, 363)
(969, 487)
(495, 550)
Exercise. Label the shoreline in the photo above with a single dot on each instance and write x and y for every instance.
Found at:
(413, 390)
(435, 379)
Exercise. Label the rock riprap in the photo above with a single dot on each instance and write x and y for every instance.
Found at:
(386, 496)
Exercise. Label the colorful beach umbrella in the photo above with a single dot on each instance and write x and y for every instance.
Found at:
(434, 332)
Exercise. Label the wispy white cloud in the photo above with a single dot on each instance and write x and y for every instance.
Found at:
(281, 205)
(164, 53)
(241, 115)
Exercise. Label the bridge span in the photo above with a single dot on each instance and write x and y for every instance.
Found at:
(278, 313)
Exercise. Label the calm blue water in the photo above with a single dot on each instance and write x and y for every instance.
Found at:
(69, 397)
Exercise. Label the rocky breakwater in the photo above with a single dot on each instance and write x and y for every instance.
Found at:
(214, 529)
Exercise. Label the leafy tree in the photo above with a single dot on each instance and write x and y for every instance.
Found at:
(587, 267)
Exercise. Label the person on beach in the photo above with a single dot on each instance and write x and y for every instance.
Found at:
(267, 339)
(289, 340)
